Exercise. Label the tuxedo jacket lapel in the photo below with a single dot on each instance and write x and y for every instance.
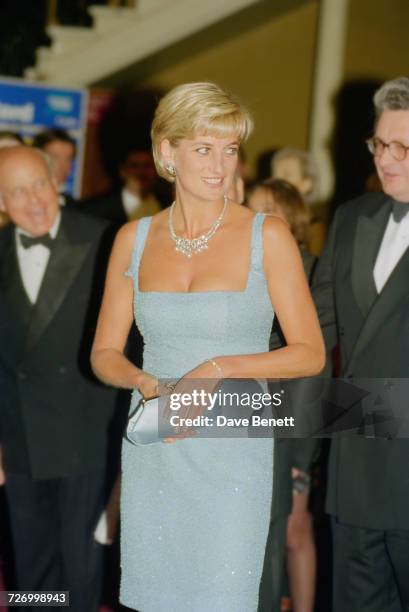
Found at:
(15, 306)
(393, 294)
(395, 290)
(64, 264)
(368, 238)
(10, 279)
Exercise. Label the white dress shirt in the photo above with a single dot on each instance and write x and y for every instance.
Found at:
(33, 261)
(130, 202)
(395, 241)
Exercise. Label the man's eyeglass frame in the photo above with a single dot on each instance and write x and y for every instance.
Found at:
(377, 146)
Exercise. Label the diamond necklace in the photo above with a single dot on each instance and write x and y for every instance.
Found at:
(191, 246)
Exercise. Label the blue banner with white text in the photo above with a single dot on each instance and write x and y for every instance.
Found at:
(28, 108)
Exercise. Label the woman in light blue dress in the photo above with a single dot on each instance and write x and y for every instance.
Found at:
(203, 281)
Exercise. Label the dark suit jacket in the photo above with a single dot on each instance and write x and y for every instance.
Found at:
(368, 478)
(54, 415)
(66, 199)
(107, 207)
(111, 208)
(290, 452)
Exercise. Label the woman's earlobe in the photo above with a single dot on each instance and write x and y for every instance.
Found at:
(170, 168)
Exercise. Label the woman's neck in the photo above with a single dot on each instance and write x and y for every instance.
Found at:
(194, 216)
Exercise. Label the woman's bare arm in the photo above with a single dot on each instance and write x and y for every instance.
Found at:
(115, 319)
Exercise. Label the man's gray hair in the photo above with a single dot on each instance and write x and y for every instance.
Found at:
(392, 95)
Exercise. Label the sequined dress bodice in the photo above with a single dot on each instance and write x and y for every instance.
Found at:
(195, 326)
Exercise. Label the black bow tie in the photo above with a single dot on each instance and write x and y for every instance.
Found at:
(29, 241)
(399, 211)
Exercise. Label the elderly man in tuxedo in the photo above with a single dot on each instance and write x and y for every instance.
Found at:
(362, 294)
(54, 416)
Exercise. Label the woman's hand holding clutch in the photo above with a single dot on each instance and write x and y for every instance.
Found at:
(203, 379)
(148, 385)
(144, 426)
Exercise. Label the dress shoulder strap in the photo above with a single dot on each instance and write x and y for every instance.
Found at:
(139, 245)
(257, 242)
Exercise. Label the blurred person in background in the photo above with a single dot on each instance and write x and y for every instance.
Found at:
(136, 197)
(61, 149)
(293, 456)
(299, 168)
(55, 415)
(279, 197)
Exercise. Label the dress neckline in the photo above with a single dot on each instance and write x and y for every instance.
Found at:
(209, 292)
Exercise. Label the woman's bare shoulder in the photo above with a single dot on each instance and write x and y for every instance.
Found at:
(125, 237)
(275, 229)
(279, 244)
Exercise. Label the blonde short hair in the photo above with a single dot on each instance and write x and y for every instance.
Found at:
(197, 108)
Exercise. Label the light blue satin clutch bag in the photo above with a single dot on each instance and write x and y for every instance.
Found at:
(143, 423)
(146, 424)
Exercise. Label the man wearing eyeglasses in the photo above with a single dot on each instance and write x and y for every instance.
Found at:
(361, 291)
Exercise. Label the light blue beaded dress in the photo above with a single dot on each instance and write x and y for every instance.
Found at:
(196, 513)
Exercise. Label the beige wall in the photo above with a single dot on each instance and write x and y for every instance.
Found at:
(268, 65)
(378, 41)
(267, 58)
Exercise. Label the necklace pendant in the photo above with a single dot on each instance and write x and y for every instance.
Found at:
(183, 246)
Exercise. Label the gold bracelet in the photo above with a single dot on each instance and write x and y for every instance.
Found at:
(216, 365)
